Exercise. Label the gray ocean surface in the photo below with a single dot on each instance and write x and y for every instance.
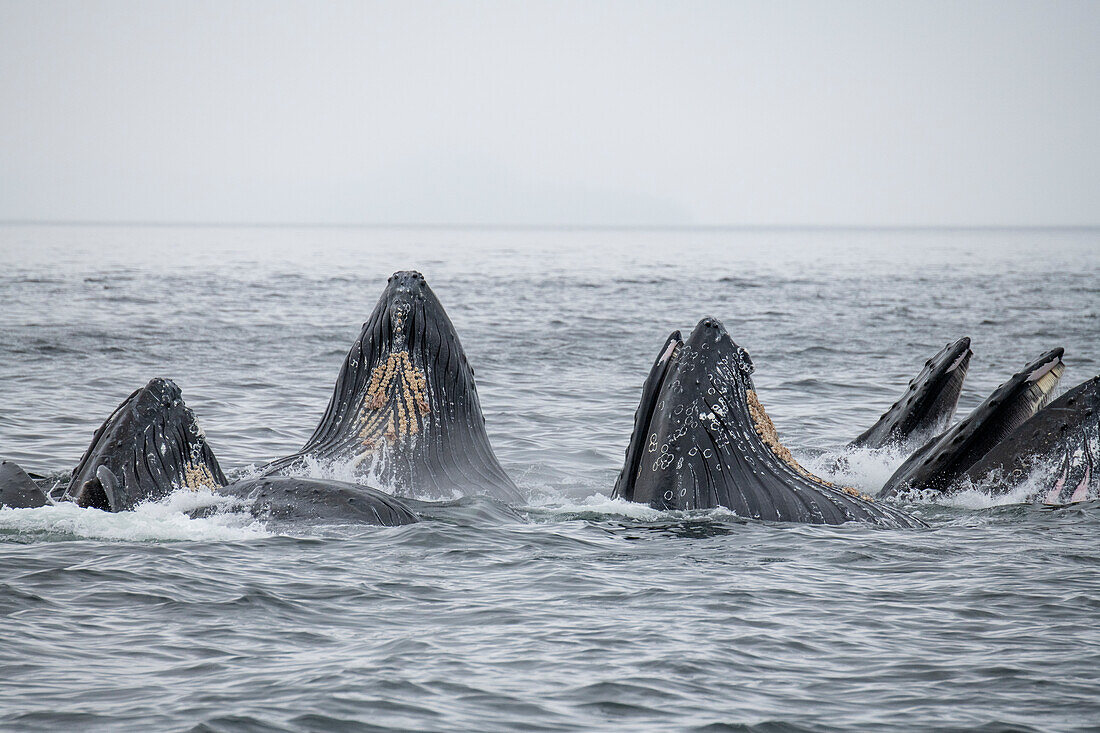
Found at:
(573, 612)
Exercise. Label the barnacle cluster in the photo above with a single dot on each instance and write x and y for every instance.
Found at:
(198, 476)
(403, 387)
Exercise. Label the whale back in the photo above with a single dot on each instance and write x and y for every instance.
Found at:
(304, 500)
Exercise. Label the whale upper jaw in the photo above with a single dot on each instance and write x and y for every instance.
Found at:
(940, 464)
(405, 413)
(928, 404)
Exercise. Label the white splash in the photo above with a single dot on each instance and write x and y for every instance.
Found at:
(165, 520)
(596, 504)
(983, 495)
(869, 469)
(861, 468)
(979, 498)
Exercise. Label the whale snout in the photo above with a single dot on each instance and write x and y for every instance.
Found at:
(410, 316)
(410, 280)
(406, 288)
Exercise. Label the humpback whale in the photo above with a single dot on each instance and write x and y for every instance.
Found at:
(702, 439)
(1067, 429)
(942, 461)
(405, 412)
(928, 404)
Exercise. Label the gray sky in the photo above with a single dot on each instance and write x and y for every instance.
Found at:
(847, 113)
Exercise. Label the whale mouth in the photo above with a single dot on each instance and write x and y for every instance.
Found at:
(941, 395)
(1067, 429)
(956, 355)
(1043, 381)
(928, 404)
(643, 416)
(1018, 399)
(1046, 376)
(961, 359)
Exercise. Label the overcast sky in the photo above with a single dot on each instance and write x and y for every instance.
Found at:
(677, 113)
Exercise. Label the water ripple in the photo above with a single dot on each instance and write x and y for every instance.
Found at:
(575, 612)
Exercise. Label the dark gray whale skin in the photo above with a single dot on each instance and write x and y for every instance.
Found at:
(405, 411)
(928, 404)
(17, 489)
(150, 446)
(941, 463)
(702, 440)
(1067, 429)
(295, 499)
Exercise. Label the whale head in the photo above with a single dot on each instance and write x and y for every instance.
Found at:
(150, 446)
(405, 413)
(703, 440)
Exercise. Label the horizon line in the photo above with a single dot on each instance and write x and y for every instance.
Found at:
(548, 226)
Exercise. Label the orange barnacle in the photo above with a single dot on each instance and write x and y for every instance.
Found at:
(402, 419)
(402, 385)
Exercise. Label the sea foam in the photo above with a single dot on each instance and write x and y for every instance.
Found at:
(165, 520)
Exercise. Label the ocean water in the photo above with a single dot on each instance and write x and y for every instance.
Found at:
(574, 611)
